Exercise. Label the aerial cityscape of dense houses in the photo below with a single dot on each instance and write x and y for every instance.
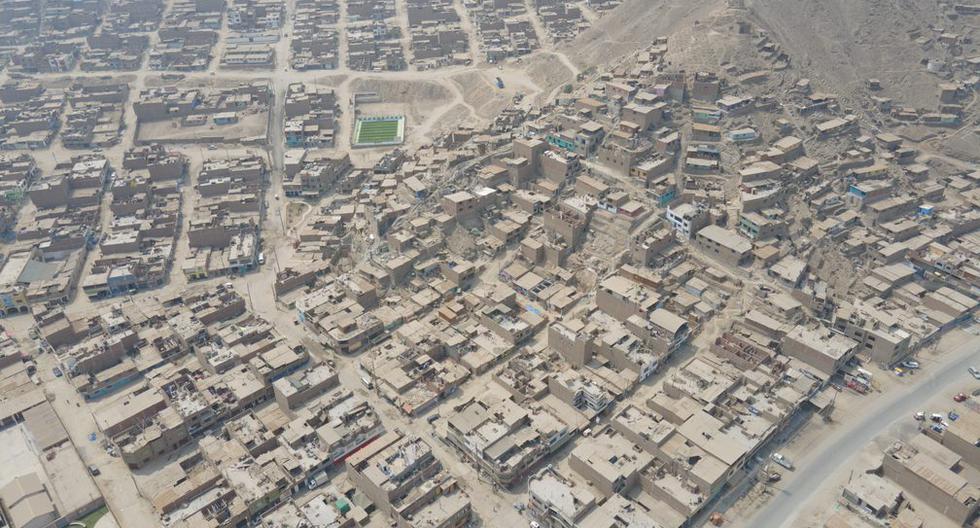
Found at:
(252, 275)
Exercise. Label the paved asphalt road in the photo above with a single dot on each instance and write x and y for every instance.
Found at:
(845, 443)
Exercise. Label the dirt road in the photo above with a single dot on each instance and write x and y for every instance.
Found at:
(819, 467)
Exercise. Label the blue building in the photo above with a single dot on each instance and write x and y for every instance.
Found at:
(561, 142)
(665, 195)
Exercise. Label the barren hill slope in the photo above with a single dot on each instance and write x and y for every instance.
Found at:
(841, 43)
(635, 25)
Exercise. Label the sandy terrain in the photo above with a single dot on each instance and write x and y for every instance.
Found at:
(846, 42)
(249, 125)
(419, 98)
(632, 26)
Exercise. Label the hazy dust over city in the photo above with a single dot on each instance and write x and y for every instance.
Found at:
(489, 263)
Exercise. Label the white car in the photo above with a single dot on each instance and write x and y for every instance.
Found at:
(975, 373)
(782, 461)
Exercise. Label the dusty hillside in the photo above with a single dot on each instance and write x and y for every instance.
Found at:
(838, 43)
(479, 91)
(841, 43)
(714, 43)
(634, 25)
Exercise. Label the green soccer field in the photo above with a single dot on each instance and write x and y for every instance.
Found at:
(378, 131)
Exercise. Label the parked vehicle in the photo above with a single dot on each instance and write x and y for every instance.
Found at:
(910, 364)
(857, 385)
(770, 474)
(959, 397)
(975, 373)
(94, 471)
(782, 461)
(57, 372)
(952, 416)
(936, 417)
(919, 416)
